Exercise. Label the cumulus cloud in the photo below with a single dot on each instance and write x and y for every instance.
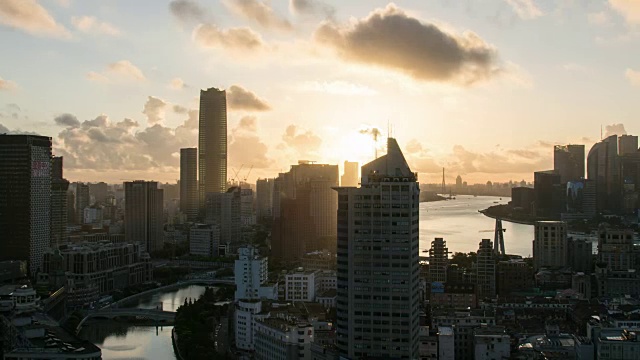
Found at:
(311, 7)
(7, 85)
(338, 87)
(187, 11)
(633, 76)
(154, 109)
(526, 9)
(614, 129)
(67, 120)
(259, 13)
(237, 38)
(4, 129)
(239, 98)
(89, 24)
(30, 17)
(120, 70)
(246, 147)
(303, 142)
(96, 77)
(393, 39)
(629, 9)
(177, 84)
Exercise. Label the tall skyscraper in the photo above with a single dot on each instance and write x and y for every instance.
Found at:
(264, 200)
(438, 261)
(189, 183)
(350, 175)
(99, 192)
(603, 167)
(550, 244)
(25, 198)
(212, 142)
(378, 264)
(568, 161)
(549, 194)
(82, 201)
(486, 270)
(59, 188)
(144, 214)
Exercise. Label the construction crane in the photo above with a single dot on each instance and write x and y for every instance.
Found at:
(236, 172)
(248, 173)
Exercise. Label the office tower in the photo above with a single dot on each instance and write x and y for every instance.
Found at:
(212, 142)
(550, 245)
(458, 182)
(189, 183)
(568, 162)
(204, 240)
(223, 209)
(603, 168)
(291, 228)
(99, 192)
(143, 214)
(548, 194)
(264, 200)
(627, 145)
(581, 199)
(378, 263)
(56, 167)
(59, 189)
(25, 198)
(350, 175)
(82, 201)
(438, 261)
(486, 270)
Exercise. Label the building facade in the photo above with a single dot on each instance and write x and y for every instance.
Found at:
(204, 240)
(189, 183)
(224, 210)
(144, 214)
(264, 200)
(438, 261)
(486, 270)
(82, 201)
(251, 276)
(568, 161)
(212, 142)
(550, 244)
(350, 174)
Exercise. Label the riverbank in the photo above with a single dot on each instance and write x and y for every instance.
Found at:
(487, 212)
(429, 196)
(174, 342)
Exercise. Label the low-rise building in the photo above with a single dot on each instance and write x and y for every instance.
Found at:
(282, 339)
(455, 296)
(327, 298)
(619, 344)
(204, 240)
(491, 343)
(319, 260)
(301, 285)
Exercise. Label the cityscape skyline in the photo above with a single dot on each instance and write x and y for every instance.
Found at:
(127, 103)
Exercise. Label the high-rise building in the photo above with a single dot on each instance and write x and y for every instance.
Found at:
(550, 245)
(189, 183)
(291, 228)
(212, 142)
(144, 214)
(486, 270)
(204, 240)
(59, 188)
(603, 167)
(224, 210)
(627, 144)
(568, 162)
(247, 216)
(378, 262)
(350, 175)
(56, 167)
(438, 261)
(549, 194)
(264, 200)
(580, 255)
(99, 192)
(82, 201)
(71, 207)
(25, 198)
(458, 182)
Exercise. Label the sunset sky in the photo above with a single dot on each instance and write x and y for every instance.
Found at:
(481, 87)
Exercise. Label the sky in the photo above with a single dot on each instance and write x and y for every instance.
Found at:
(483, 88)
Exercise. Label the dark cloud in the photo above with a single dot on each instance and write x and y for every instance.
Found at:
(614, 129)
(238, 38)
(154, 110)
(246, 147)
(311, 7)
(67, 120)
(260, 13)
(187, 11)
(393, 39)
(239, 98)
(373, 131)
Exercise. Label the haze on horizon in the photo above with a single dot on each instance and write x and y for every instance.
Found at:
(482, 88)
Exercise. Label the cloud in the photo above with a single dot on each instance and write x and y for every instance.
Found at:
(126, 69)
(373, 131)
(259, 13)
(4, 129)
(177, 84)
(629, 9)
(67, 120)
(154, 109)
(614, 129)
(97, 77)
(179, 109)
(302, 142)
(311, 7)
(239, 98)
(7, 85)
(391, 38)
(633, 76)
(32, 18)
(237, 38)
(526, 9)
(187, 11)
(246, 147)
(89, 24)
(338, 87)
(599, 18)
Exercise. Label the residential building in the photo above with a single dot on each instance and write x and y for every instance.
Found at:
(144, 214)
(319, 260)
(491, 343)
(247, 216)
(378, 262)
(438, 261)
(619, 344)
(282, 339)
(486, 270)
(302, 285)
(83, 200)
(550, 244)
(264, 200)
(224, 210)
(212, 142)
(454, 296)
(189, 199)
(204, 240)
(446, 343)
(616, 249)
(513, 276)
(568, 161)
(25, 198)
(350, 174)
(251, 276)
(463, 324)
(580, 255)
